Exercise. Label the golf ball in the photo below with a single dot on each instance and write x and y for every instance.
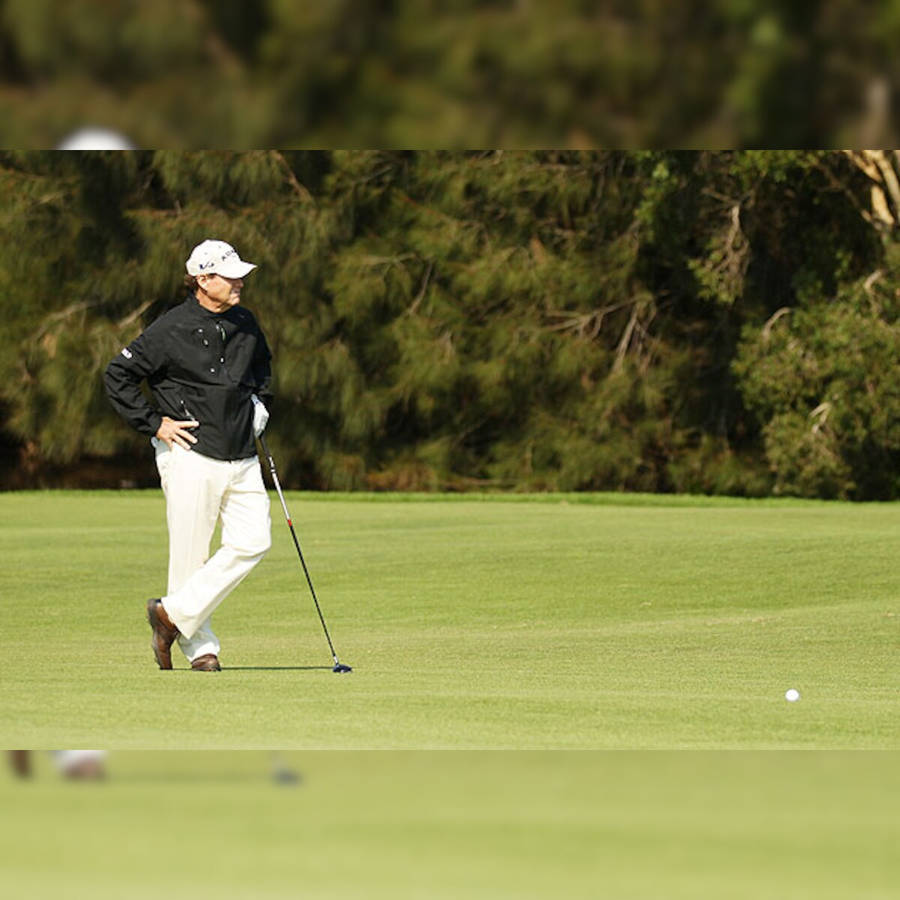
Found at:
(792, 695)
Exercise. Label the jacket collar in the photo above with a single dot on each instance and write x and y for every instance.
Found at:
(197, 309)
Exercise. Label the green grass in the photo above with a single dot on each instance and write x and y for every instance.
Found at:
(576, 622)
(820, 825)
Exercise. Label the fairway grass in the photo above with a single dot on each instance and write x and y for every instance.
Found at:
(551, 622)
(816, 825)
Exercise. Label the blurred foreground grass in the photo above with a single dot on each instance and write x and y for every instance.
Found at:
(807, 824)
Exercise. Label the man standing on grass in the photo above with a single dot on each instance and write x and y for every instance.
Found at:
(207, 364)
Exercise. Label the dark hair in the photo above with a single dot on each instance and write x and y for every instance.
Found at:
(190, 282)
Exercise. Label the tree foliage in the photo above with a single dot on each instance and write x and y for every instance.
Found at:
(473, 73)
(571, 320)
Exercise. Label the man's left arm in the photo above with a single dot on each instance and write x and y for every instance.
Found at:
(262, 369)
(261, 373)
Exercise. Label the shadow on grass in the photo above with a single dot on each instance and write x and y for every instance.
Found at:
(260, 669)
(274, 668)
(198, 778)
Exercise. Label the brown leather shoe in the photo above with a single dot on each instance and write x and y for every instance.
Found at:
(164, 633)
(20, 760)
(209, 662)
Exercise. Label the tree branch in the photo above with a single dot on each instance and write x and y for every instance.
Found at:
(298, 188)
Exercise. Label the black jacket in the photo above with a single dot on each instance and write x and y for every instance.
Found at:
(199, 365)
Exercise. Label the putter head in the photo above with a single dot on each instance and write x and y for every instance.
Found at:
(340, 667)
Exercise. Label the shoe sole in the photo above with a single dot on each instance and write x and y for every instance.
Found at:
(153, 646)
(159, 662)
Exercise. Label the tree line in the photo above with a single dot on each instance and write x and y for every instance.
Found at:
(473, 73)
(706, 322)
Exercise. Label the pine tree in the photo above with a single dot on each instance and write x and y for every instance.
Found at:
(572, 320)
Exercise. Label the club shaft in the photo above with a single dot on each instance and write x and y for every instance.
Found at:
(290, 524)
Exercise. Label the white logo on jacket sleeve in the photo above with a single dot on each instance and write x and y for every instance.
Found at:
(126, 353)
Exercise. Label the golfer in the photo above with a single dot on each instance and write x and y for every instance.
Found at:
(207, 364)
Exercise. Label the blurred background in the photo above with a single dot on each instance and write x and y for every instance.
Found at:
(452, 73)
(664, 321)
(481, 824)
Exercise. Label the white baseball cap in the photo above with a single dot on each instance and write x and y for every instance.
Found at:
(219, 258)
(96, 139)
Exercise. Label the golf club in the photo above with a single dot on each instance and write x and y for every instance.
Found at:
(338, 666)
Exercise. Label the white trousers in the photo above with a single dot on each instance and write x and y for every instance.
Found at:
(200, 491)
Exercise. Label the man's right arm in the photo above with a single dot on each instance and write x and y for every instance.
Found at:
(142, 358)
(122, 379)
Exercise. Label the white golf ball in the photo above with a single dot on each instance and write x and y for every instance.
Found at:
(792, 696)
